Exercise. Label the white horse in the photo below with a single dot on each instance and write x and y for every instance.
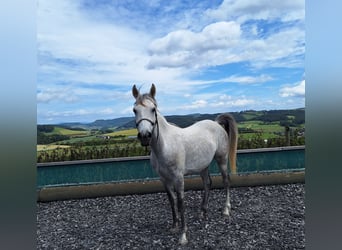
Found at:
(176, 152)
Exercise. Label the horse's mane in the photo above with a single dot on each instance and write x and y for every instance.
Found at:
(141, 98)
(173, 124)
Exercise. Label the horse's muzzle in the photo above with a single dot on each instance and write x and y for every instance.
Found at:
(145, 139)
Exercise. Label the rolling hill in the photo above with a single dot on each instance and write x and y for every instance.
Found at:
(291, 117)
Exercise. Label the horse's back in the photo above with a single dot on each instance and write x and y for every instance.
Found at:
(205, 128)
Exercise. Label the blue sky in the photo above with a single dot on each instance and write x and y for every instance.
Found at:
(203, 56)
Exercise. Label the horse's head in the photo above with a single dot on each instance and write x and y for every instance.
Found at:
(145, 110)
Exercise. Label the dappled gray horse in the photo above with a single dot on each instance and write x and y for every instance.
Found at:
(176, 152)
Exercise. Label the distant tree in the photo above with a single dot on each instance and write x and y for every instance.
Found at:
(47, 139)
(45, 128)
(76, 128)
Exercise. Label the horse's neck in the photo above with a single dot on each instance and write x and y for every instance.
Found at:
(161, 129)
(162, 122)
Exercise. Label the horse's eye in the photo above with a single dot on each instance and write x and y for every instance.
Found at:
(135, 111)
(153, 110)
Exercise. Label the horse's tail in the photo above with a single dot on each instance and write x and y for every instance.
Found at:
(229, 124)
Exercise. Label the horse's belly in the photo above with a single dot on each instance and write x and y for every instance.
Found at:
(199, 155)
(196, 164)
(195, 168)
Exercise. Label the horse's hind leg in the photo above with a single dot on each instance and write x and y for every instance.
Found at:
(206, 185)
(223, 168)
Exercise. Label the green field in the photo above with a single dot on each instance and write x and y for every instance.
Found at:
(265, 130)
(50, 147)
(126, 133)
(249, 115)
(259, 126)
(269, 130)
(69, 132)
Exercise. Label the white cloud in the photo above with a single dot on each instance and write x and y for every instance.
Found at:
(276, 49)
(94, 51)
(63, 95)
(78, 113)
(233, 102)
(296, 90)
(214, 102)
(74, 48)
(186, 48)
(240, 79)
(196, 104)
(243, 10)
(66, 113)
(214, 36)
(101, 51)
(248, 79)
(223, 43)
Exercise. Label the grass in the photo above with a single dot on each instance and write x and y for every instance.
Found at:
(265, 130)
(251, 115)
(50, 147)
(273, 127)
(254, 135)
(81, 136)
(127, 132)
(69, 132)
(79, 139)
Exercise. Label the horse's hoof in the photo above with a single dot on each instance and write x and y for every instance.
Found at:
(226, 212)
(183, 240)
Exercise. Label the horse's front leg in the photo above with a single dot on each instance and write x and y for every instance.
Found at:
(172, 199)
(181, 209)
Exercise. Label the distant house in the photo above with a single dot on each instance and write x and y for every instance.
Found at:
(301, 133)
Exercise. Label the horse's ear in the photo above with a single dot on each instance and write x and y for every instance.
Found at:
(135, 92)
(153, 91)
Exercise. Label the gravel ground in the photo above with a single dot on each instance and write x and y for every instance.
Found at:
(264, 217)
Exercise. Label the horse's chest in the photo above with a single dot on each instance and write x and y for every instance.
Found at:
(168, 166)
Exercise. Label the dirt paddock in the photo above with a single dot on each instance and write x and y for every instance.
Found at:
(263, 217)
